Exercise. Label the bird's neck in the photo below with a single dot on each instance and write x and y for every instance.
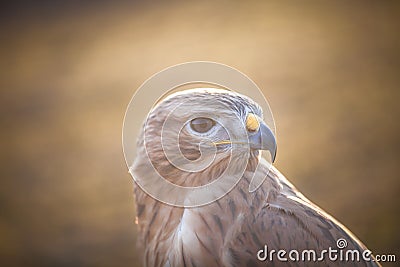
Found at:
(166, 232)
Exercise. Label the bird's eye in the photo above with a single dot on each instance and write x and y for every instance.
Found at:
(202, 125)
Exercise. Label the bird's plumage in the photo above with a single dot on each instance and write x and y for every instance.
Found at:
(231, 230)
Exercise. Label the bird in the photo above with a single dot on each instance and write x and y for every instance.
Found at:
(271, 225)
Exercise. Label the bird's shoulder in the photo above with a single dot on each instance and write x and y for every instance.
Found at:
(280, 217)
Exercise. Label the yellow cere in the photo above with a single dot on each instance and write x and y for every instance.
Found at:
(252, 123)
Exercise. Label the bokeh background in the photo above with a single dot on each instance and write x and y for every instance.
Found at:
(330, 70)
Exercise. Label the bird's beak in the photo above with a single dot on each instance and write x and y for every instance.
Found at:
(263, 139)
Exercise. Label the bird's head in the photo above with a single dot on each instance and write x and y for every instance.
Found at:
(193, 130)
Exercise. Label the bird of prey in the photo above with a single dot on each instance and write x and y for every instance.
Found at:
(243, 227)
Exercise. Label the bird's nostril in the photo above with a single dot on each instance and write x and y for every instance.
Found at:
(252, 123)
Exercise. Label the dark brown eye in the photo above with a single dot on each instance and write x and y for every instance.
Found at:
(201, 125)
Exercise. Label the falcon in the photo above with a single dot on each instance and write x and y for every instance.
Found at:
(271, 225)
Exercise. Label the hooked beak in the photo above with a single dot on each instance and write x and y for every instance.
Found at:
(263, 139)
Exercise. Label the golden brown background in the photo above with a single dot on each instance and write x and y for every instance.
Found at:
(330, 70)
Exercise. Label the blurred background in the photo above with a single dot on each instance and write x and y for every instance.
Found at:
(330, 70)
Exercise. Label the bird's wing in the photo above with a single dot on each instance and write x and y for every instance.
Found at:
(285, 219)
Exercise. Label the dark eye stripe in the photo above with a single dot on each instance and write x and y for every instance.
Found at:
(202, 125)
